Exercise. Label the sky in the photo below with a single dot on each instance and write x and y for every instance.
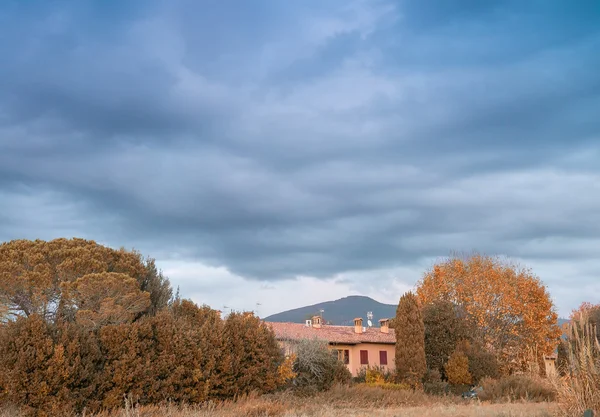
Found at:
(274, 154)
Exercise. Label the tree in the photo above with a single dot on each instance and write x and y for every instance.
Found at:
(410, 340)
(510, 306)
(457, 369)
(105, 298)
(33, 274)
(445, 326)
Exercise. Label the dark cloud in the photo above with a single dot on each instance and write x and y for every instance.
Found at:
(279, 140)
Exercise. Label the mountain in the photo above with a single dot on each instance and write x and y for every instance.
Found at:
(343, 311)
(340, 312)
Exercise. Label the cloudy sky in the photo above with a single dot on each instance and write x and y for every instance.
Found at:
(291, 152)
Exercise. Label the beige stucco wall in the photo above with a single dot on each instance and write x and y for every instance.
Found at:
(373, 349)
(354, 351)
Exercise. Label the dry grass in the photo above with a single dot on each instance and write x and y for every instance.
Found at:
(581, 389)
(340, 401)
(518, 387)
(256, 410)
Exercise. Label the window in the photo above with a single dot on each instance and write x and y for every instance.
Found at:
(382, 357)
(364, 357)
(344, 356)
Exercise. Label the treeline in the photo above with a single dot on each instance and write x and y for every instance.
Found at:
(471, 318)
(85, 326)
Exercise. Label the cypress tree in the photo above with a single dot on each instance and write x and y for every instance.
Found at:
(410, 340)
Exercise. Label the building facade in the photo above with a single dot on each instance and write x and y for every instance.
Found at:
(357, 346)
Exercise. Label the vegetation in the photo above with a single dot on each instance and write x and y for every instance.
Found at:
(340, 401)
(445, 327)
(410, 340)
(83, 327)
(579, 389)
(517, 387)
(509, 306)
(317, 368)
(87, 325)
(457, 368)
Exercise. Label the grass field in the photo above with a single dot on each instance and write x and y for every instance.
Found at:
(349, 401)
(456, 410)
(340, 401)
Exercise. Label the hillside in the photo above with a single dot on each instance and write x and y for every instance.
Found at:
(341, 312)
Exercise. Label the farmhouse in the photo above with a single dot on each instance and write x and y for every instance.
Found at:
(356, 345)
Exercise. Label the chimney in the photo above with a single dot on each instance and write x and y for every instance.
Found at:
(358, 327)
(385, 325)
(316, 322)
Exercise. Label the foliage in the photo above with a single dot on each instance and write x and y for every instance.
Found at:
(317, 368)
(89, 326)
(482, 364)
(579, 389)
(285, 372)
(445, 326)
(436, 387)
(104, 298)
(410, 340)
(517, 387)
(378, 375)
(34, 274)
(251, 356)
(457, 368)
(508, 304)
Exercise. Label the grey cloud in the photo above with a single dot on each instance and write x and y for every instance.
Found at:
(296, 168)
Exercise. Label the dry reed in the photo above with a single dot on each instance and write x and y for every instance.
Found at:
(579, 389)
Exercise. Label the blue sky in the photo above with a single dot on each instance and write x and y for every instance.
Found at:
(293, 152)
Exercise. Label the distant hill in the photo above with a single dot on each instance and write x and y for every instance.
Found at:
(340, 312)
(343, 311)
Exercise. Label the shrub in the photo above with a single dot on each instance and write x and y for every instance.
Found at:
(457, 369)
(436, 388)
(517, 387)
(482, 364)
(432, 375)
(317, 368)
(379, 375)
(433, 384)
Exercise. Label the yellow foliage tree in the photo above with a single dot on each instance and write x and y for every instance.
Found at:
(509, 305)
(457, 369)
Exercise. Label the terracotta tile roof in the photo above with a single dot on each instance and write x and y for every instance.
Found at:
(333, 334)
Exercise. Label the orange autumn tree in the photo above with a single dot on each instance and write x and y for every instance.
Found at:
(508, 304)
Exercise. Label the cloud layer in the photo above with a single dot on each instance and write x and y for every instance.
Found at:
(307, 145)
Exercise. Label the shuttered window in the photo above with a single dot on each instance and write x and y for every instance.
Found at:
(382, 357)
(364, 357)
